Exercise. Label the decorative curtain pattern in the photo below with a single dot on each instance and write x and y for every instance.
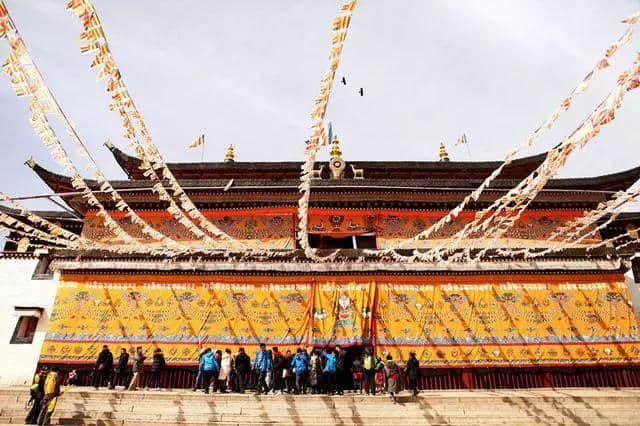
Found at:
(338, 223)
(179, 317)
(263, 230)
(342, 313)
(459, 321)
(259, 231)
(511, 323)
(533, 229)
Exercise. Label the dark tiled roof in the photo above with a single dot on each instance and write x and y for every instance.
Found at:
(274, 191)
(373, 170)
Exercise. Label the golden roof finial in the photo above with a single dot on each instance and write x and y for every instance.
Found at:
(230, 156)
(335, 148)
(444, 156)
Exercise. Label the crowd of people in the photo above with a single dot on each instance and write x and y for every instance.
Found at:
(320, 371)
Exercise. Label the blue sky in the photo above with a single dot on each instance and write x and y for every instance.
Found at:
(247, 73)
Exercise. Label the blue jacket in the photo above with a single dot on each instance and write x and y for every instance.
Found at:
(332, 362)
(262, 361)
(208, 362)
(301, 363)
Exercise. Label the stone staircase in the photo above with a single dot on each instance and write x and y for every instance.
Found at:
(574, 406)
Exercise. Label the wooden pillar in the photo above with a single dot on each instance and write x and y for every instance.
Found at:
(467, 378)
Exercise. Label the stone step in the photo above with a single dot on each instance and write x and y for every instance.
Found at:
(256, 415)
(63, 402)
(382, 410)
(327, 402)
(148, 396)
(508, 407)
(451, 421)
(595, 420)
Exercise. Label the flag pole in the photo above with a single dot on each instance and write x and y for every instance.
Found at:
(202, 157)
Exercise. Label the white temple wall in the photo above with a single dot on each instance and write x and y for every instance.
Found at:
(17, 288)
(634, 290)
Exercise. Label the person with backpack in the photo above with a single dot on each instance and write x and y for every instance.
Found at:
(208, 366)
(120, 371)
(102, 369)
(315, 371)
(138, 369)
(37, 394)
(157, 367)
(226, 369)
(242, 367)
(278, 370)
(392, 376)
(51, 392)
(72, 378)
(300, 367)
(357, 375)
(380, 380)
(369, 372)
(216, 373)
(262, 365)
(413, 372)
(287, 372)
(198, 382)
(330, 369)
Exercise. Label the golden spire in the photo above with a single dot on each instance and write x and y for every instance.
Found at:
(335, 148)
(444, 156)
(230, 156)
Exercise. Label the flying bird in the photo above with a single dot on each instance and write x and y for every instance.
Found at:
(344, 81)
(361, 91)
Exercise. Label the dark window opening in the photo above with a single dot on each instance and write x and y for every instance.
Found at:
(25, 330)
(363, 241)
(42, 271)
(635, 268)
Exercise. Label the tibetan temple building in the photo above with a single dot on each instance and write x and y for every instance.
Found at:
(564, 319)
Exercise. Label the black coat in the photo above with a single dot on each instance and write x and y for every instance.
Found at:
(342, 360)
(123, 361)
(158, 363)
(279, 362)
(106, 359)
(243, 363)
(413, 368)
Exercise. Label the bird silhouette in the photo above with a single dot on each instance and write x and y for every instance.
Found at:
(344, 81)
(361, 91)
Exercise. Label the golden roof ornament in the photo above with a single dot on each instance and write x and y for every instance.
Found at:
(230, 156)
(444, 156)
(335, 147)
(336, 163)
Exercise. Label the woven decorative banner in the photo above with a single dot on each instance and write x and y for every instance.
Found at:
(465, 321)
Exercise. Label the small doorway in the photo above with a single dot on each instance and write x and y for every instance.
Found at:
(352, 353)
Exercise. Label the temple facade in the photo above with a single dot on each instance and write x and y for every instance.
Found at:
(564, 319)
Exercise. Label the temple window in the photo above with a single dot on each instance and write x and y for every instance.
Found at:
(27, 324)
(362, 241)
(25, 330)
(635, 268)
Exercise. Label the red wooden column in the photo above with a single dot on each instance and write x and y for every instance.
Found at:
(467, 378)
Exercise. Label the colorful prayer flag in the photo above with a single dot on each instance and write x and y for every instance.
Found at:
(199, 141)
(462, 140)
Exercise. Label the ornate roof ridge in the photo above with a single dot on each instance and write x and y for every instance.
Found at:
(373, 169)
